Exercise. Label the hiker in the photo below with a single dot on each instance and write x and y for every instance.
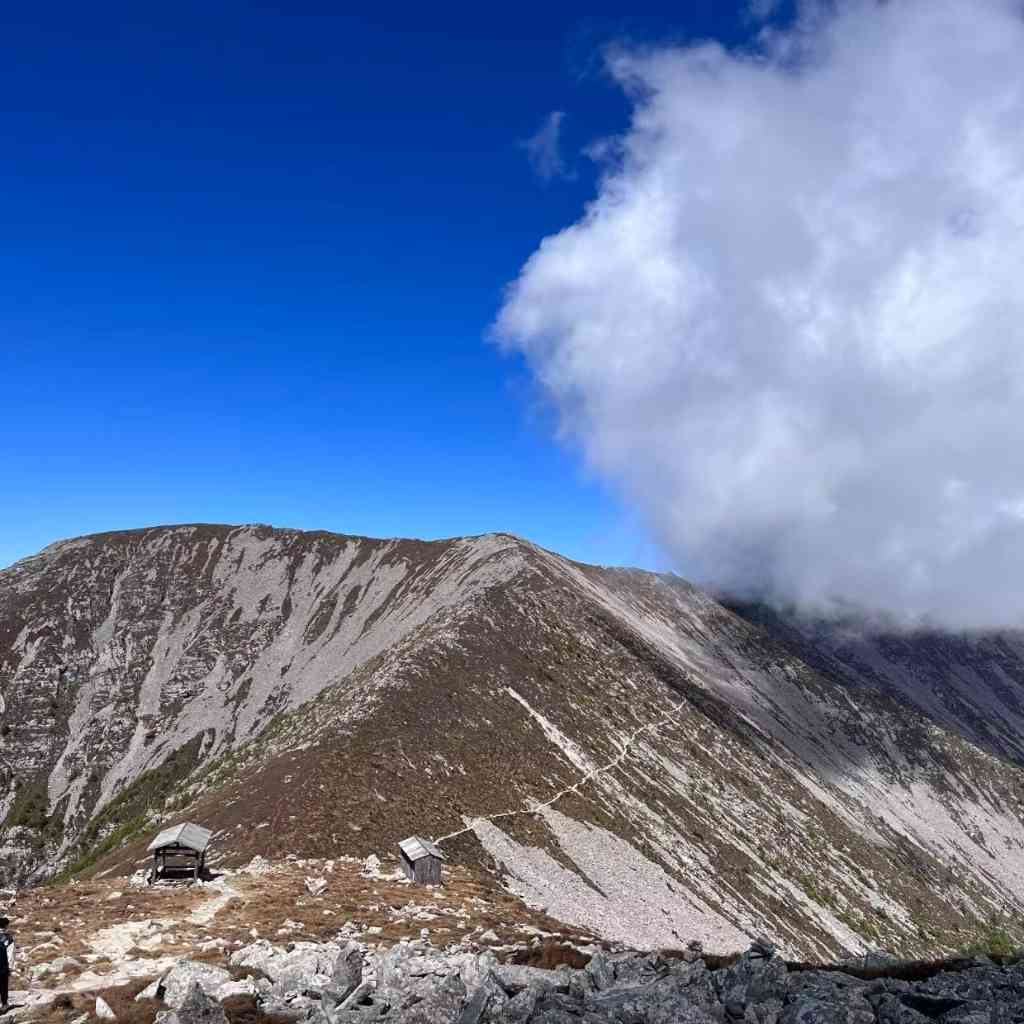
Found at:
(6, 961)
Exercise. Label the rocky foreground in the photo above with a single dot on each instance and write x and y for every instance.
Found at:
(336, 942)
(332, 983)
(343, 942)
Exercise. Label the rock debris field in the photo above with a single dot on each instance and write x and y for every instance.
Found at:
(102, 934)
(344, 942)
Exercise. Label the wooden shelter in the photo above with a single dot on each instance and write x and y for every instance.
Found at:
(421, 860)
(180, 851)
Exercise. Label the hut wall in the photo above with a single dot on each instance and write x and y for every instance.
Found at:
(428, 871)
(407, 866)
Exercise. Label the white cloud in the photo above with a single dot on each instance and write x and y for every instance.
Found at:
(545, 151)
(790, 327)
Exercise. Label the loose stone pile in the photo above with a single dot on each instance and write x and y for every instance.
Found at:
(416, 983)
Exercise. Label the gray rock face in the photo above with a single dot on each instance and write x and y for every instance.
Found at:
(305, 967)
(348, 971)
(257, 954)
(421, 985)
(197, 1008)
(180, 979)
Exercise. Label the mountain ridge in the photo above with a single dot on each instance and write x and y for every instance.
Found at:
(343, 692)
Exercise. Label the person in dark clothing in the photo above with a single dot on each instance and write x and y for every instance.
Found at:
(6, 961)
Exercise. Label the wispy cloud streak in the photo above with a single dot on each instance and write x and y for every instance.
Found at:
(544, 149)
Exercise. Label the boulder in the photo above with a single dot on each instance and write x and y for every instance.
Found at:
(892, 1010)
(302, 967)
(315, 886)
(487, 1001)
(103, 1010)
(633, 969)
(515, 977)
(443, 1004)
(245, 987)
(521, 1006)
(257, 954)
(666, 1000)
(601, 972)
(188, 974)
(198, 1008)
(347, 972)
(752, 979)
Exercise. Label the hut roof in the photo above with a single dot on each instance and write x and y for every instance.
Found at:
(195, 837)
(416, 848)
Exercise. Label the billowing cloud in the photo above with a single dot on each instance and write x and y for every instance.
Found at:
(790, 326)
(544, 149)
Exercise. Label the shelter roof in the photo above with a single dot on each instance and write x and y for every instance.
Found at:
(416, 848)
(195, 837)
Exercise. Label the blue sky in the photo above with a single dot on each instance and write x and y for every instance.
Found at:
(252, 252)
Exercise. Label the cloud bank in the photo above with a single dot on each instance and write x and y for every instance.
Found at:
(790, 326)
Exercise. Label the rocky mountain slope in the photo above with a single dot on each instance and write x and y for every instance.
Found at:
(615, 745)
(969, 683)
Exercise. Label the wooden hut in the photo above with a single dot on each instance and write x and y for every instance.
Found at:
(180, 851)
(421, 860)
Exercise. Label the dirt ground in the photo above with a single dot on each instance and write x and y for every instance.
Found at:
(113, 935)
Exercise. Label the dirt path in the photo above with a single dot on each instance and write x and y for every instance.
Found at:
(588, 776)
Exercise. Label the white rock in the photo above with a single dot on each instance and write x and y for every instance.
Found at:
(257, 866)
(256, 954)
(116, 940)
(315, 886)
(245, 987)
(151, 991)
(103, 1010)
(64, 963)
(371, 866)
